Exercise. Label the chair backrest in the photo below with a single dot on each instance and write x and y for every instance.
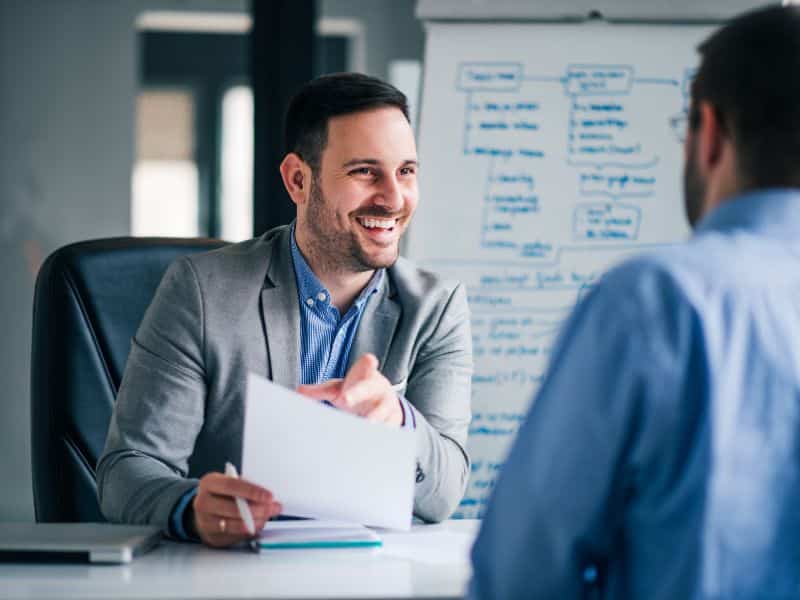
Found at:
(90, 298)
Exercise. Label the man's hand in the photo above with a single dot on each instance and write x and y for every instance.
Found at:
(364, 391)
(216, 517)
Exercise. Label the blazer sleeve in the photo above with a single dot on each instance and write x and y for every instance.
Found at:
(159, 410)
(439, 390)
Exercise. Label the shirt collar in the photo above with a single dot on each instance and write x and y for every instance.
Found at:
(309, 286)
(773, 211)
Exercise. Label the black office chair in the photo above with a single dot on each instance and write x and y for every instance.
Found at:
(90, 298)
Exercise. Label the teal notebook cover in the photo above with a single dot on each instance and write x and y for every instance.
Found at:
(309, 534)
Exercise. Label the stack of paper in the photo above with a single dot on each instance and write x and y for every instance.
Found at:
(322, 463)
(315, 534)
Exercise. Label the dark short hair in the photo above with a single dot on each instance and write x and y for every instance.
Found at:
(750, 74)
(306, 126)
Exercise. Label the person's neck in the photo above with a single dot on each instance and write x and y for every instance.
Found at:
(721, 192)
(725, 182)
(343, 285)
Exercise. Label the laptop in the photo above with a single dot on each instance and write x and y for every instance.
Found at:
(75, 542)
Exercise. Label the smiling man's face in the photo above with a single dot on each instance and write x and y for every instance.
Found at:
(365, 192)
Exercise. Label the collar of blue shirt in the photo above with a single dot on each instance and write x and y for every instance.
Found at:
(310, 290)
(772, 211)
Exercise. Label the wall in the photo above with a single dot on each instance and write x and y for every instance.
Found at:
(68, 79)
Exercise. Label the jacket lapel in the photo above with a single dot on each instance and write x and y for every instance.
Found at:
(280, 315)
(377, 326)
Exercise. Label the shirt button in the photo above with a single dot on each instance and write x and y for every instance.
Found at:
(321, 297)
(310, 302)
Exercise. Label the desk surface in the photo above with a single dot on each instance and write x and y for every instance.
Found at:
(432, 561)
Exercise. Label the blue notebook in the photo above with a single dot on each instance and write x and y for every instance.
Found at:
(311, 533)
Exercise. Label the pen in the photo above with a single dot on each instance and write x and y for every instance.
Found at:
(241, 503)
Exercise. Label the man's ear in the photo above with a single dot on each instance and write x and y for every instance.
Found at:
(296, 175)
(711, 139)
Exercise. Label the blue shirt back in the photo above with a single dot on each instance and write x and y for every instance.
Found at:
(661, 458)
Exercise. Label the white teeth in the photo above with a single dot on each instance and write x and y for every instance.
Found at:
(372, 223)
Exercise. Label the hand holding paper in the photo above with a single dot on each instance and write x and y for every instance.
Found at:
(324, 463)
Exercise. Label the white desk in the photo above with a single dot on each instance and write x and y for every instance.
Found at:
(432, 561)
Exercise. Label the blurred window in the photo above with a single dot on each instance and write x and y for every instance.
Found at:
(193, 172)
(341, 45)
(406, 76)
(164, 199)
(237, 164)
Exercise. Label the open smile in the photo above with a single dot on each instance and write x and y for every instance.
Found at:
(377, 223)
(379, 229)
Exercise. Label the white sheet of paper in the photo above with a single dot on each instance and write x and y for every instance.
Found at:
(323, 463)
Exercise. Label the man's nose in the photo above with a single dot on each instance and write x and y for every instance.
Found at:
(391, 195)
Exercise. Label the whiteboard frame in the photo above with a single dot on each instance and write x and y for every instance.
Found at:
(639, 11)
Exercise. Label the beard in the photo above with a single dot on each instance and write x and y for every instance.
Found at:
(341, 250)
(694, 189)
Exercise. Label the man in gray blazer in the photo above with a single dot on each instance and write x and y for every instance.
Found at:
(324, 303)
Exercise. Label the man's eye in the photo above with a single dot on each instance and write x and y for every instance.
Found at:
(408, 170)
(362, 171)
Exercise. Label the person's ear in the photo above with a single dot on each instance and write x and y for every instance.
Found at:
(296, 176)
(711, 139)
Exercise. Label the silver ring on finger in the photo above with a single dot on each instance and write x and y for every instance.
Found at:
(223, 525)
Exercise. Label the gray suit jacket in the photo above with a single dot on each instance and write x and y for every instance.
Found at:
(219, 315)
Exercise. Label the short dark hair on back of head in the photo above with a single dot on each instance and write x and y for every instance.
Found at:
(750, 73)
(306, 126)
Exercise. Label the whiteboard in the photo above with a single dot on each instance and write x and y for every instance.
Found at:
(547, 155)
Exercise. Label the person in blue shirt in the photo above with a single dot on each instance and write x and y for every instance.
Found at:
(661, 457)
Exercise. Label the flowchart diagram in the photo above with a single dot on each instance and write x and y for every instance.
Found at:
(549, 170)
(613, 166)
